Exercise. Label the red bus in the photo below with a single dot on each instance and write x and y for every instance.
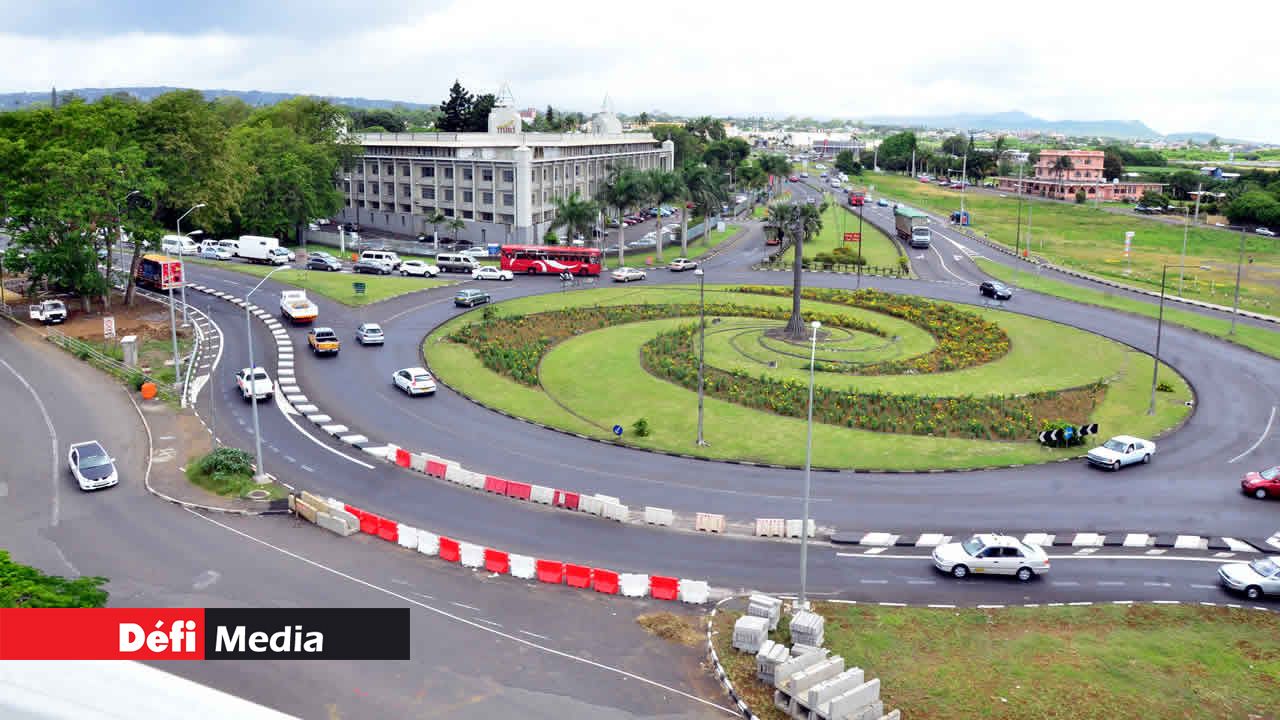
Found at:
(551, 259)
(857, 198)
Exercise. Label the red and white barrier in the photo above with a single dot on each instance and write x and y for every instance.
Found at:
(408, 537)
(542, 495)
(578, 576)
(662, 587)
(470, 555)
(614, 511)
(522, 567)
(793, 528)
(590, 504)
(694, 592)
(604, 581)
(633, 585)
(428, 543)
(549, 571)
(707, 522)
(496, 561)
(771, 527)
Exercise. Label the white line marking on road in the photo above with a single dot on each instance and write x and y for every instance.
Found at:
(944, 267)
(1111, 582)
(490, 622)
(54, 475)
(1155, 584)
(402, 313)
(532, 634)
(205, 579)
(922, 582)
(865, 581)
(1204, 587)
(941, 606)
(315, 440)
(874, 551)
(465, 621)
(308, 468)
(461, 605)
(1064, 583)
(1262, 437)
(891, 604)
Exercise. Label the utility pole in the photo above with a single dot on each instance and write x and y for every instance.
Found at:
(1017, 238)
(1185, 227)
(1235, 308)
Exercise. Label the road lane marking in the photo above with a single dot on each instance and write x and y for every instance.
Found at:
(1111, 582)
(465, 621)
(54, 475)
(1204, 587)
(1262, 437)
(463, 605)
(533, 634)
(865, 581)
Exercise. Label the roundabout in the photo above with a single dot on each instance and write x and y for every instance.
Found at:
(901, 383)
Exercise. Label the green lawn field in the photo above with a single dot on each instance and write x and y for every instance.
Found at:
(337, 286)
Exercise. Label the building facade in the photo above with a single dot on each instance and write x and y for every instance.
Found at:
(502, 184)
(1085, 174)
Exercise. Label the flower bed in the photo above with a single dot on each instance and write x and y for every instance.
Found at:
(673, 356)
(963, 338)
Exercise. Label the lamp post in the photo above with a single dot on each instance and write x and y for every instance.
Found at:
(702, 347)
(808, 463)
(253, 372)
(1185, 228)
(182, 264)
(1155, 370)
(1235, 308)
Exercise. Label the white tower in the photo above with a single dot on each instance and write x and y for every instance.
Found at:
(504, 118)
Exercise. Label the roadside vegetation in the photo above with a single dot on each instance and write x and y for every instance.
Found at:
(23, 586)
(228, 472)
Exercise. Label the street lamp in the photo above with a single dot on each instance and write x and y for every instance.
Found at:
(702, 347)
(1235, 308)
(182, 265)
(1155, 370)
(1186, 226)
(253, 371)
(808, 462)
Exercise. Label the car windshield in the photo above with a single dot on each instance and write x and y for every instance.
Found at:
(1270, 474)
(1265, 567)
(373, 330)
(1114, 444)
(260, 375)
(973, 545)
(93, 456)
(422, 378)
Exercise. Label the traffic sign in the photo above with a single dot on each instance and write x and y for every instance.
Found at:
(617, 430)
(358, 287)
(109, 327)
(854, 237)
(1128, 242)
(1090, 429)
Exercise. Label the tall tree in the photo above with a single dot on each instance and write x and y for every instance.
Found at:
(623, 189)
(896, 150)
(457, 110)
(706, 190)
(707, 128)
(799, 222)
(776, 166)
(955, 145)
(455, 224)
(1112, 163)
(576, 215)
(1061, 167)
(478, 114)
(847, 163)
(662, 187)
(435, 219)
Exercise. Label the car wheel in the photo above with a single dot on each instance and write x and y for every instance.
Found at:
(960, 572)
(1260, 493)
(1253, 592)
(1115, 466)
(405, 273)
(1025, 574)
(1146, 459)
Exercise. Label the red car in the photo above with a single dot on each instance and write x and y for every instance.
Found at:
(794, 178)
(1262, 484)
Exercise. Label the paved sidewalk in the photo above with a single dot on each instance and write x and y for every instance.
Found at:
(176, 438)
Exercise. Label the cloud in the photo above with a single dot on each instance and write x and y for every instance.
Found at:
(823, 58)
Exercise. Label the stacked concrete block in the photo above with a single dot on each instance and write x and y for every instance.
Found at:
(794, 528)
(750, 633)
(787, 668)
(816, 702)
(798, 649)
(807, 628)
(796, 687)
(860, 703)
(770, 656)
(765, 606)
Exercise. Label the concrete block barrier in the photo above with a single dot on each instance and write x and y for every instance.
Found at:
(608, 499)
(798, 684)
(436, 468)
(408, 537)
(496, 561)
(770, 527)
(604, 581)
(614, 511)
(578, 576)
(418, 462)
(495, 485)
(568, 500)
(658, 516)
(428, 543)
(449, 549)
(456, 474)
(708, 522)
(518, 490)
(820, 695)
(765, 606)
(549, 571)
(794, 528)
(854, 701)
(315, 501)
(662, 587)
(590, 504)
(542, 495)
(787, 668)
(633, 585)
(522, 566)
(303, 509)
(388, 530)
(343, 525)
(400, 454)
(470, 555)
(694, 592)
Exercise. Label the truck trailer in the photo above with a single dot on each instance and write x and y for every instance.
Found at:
(912, 226)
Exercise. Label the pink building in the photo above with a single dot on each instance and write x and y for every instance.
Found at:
(1085, 174)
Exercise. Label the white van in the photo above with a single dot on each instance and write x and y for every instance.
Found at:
(232, 245)
(456, 262)
(178, 245)
(383, 256)
(257, 249)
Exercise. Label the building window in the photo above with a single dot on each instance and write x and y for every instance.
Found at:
(448, 212)
(577, 170)
(373, 169)
(428, 193)
(404, 171)
(486, 198)
(468, 196)
(374, 204)
(388, 189)
(557, 172)
(360, 204)
(448, 173)
(486, 217)
(406, 190)
(486, 174)
(506, 219)
(428, 171)
(348, 202)
(405, 208)
(448, 195)
(466, 173)
(389, 170)
(360, 188)
(346, 186)
(545, 175)
(508, 199)
(508, 176)
(466, 215)
(359, 169)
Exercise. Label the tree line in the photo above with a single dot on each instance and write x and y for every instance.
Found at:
(76, 178)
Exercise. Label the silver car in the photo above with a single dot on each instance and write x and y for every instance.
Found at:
(991, 555)
(369, 334)
(1255, 579)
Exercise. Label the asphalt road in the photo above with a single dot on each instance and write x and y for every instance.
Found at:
(481, 646)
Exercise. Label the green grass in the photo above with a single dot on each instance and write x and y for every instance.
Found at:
(1105, 662)
(631, 393)
(338, 286)
(1263, 340)
(1092, 240)
(877, 249)
(697, 248)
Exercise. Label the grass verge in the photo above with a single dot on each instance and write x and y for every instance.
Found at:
(337, 286)
(1263, 340)
(229, 472)
(1112, 662)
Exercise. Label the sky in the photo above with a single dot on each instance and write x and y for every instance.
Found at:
(1177, 66)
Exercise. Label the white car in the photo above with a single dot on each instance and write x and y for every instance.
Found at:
(489, 272)
(370, 334)
(414, 381)
(1254, 579)
(627, 274)
(215, 252)
(475, 252)
(91, 466)
(259, 385)
(419, 268)
(991, 555)
(1122, 450)
(1264, 231)
(285, 253)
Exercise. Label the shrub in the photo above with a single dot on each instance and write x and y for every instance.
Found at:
(1164, 387)
(1081, 197)
(225, 471)
(640, 427)
(136, 380)
(903, 265)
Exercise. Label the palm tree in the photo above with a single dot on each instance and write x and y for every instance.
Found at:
(707, 191)
(622, 190)
(799, 222)
(751, 178)
(435, 220)
(575, 215)
(662, 186)
(455, 224)
(1061, 166)
(776, 166)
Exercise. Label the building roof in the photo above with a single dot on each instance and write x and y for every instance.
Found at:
(505, 140)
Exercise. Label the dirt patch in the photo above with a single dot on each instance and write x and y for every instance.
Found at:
(686, 630)
(145, 319)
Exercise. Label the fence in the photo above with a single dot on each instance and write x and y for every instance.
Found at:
(102, 361)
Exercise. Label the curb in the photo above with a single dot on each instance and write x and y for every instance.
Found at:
(718, 669)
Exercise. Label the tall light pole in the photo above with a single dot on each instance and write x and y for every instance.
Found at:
(1155, 370)
(1235, 308)
(808, 463)
(1017, 237)
(181, 252)
(253, 373)
(702, 347)
(1185, 228)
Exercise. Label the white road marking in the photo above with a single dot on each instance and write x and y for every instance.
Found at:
(1262, 437)
(1155, 584)
(205, 579)
(532, 634)
(489, 622)
(315, 440)
(1183, 558)
(462, 605)
(1064, 583)
(1204, 587)
(1111, 582)
(55, 509)
(864, 581)
(465, 621)
(922, 582)
(944, 267)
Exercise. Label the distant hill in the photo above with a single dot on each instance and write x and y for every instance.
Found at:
(18, 100)
(1017, 120)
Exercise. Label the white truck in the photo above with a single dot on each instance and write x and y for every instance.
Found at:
(48, 312)
(297, 308)
(258, 249)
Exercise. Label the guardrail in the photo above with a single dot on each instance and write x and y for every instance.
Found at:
(102, 361)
